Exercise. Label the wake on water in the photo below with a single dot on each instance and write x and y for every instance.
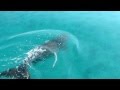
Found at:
(23, 45)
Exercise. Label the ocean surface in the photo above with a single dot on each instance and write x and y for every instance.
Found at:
(92, 50)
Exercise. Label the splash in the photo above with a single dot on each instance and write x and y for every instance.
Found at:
(24, 45)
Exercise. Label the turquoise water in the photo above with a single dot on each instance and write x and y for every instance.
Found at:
(92, 50)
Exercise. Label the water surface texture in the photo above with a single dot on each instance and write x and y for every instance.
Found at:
(91, 49)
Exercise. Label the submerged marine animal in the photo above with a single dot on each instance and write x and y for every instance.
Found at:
(35, 55)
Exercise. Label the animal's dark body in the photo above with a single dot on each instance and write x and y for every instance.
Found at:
(38, 54)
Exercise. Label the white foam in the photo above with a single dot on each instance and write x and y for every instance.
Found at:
(32, 53)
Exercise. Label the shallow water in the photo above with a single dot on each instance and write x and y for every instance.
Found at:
(92, 48)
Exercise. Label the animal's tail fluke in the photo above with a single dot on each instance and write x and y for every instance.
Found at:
(19, 72)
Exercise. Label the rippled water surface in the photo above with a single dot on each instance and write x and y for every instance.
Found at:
(91, 50)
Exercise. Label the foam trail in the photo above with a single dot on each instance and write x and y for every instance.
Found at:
(45, 34)
(41, 31)
(54, 32)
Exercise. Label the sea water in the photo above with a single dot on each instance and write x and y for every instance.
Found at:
(92, 51)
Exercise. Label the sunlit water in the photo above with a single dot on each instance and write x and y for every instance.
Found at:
(92, 49)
